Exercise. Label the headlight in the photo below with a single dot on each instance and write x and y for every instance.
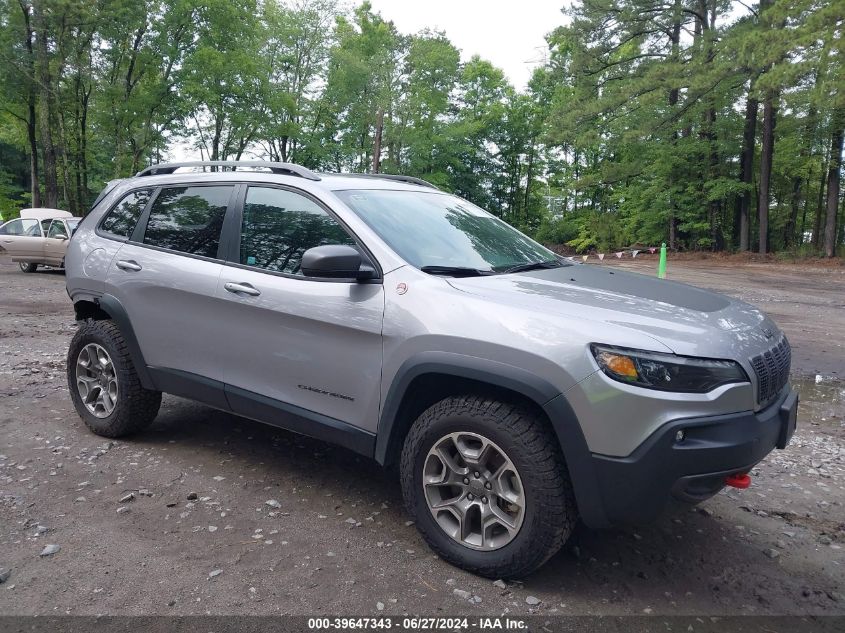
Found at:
(666, 372)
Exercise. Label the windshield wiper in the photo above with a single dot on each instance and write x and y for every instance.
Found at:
(456, 271)
(520, 268)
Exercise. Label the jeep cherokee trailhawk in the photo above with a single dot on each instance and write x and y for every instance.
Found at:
(516, 391)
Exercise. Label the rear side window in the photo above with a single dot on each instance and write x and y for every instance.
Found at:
(27, 227)
(188, 219)
(122, 219)
(279, 226)
(32, 228)
(14, 227)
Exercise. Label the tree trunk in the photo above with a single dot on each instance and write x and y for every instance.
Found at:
(833, 187)
(792, 221)
(215, 140)
(804, 210)
(31, 120)
(746, 170)
(83, 147)
(817, 222)
(31, 136)
(45, 87)
(377, 143)
(675, 39)
(529, 177)
(769, 114)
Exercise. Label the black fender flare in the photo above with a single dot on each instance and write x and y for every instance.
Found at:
(111, 305)
(579, 459)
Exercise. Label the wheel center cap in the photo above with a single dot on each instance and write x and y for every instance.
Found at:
(477, 487)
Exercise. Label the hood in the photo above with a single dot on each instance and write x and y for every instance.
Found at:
(687, 320)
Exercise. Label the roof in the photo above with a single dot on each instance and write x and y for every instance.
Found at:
(277, 172)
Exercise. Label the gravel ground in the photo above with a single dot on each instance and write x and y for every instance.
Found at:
(210, 513)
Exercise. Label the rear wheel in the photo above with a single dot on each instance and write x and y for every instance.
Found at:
(27, 267)
(104, 384)
(487, 485)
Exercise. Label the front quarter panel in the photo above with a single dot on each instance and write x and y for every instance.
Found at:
(425, 314)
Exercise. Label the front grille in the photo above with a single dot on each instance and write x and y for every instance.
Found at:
(772, 370)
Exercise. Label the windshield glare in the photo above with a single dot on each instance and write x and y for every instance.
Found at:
(437, 229)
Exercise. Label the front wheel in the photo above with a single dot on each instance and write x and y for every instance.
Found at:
(487, 484)
(27, 267)
(104, 384)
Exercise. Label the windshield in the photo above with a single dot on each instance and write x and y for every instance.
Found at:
(437, 231)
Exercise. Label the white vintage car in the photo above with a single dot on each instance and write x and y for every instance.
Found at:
(39, 236)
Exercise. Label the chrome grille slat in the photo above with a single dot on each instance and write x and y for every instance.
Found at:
(772, 371)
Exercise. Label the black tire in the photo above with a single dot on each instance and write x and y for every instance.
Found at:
(28, 268)
(136, 407)
(550, 511)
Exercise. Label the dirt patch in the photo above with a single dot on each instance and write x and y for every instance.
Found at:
(335, 540)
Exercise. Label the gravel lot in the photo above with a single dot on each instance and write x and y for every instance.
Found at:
(210, 513)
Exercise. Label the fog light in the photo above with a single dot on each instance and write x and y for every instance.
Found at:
(679, 436)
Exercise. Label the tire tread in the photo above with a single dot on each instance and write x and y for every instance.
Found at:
(137, 407)
(546, 468)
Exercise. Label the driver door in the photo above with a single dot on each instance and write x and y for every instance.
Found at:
(314, 344)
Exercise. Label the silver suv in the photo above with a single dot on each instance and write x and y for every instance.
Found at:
(516, 391)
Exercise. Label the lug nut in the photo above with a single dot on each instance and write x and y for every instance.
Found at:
(466, 480)
(476, 474)
(470, 496)
(488, 485)
(483, 499)
(679, 436)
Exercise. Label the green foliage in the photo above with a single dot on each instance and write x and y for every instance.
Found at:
(631, 133)
(650, 104)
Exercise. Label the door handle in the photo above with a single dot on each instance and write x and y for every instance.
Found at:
(243, 288)
(128, 264)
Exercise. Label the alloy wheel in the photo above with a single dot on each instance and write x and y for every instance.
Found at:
(96, 380)
(473, 491)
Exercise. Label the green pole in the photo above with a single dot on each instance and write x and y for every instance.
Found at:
(661, 266)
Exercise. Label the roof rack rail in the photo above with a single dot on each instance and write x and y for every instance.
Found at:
(396, 177)
(277, 168)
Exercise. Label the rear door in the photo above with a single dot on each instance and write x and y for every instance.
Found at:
(312, 343)
(166, 276)
(22, 239)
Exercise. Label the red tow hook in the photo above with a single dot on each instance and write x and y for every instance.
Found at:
(739, 480)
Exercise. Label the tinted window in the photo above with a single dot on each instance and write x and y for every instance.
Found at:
(279, 226)
(188, 219)
(122, 219)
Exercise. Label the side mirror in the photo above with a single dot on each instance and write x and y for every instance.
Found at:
(61, 236)
(335, 261)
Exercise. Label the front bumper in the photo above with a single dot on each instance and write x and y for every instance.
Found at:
(636, 488)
